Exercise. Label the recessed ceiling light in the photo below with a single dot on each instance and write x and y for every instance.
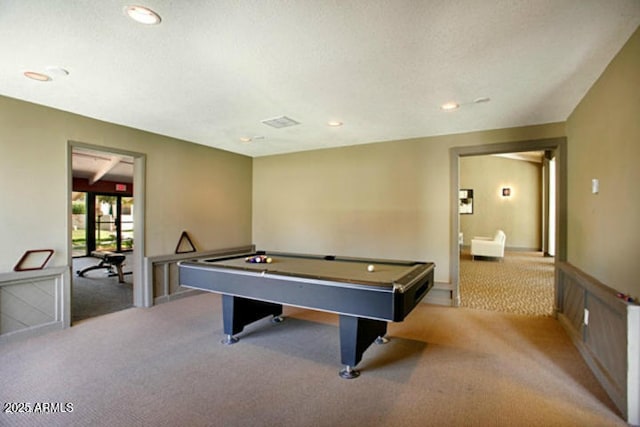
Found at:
(450, 106)
(334, 123)
(143, 15)
(251, 138)
(36, 76)
(57, 71)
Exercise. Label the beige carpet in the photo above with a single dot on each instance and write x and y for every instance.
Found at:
(521, 283)
(165, 366)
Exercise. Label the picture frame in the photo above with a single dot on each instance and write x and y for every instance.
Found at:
(465, 205)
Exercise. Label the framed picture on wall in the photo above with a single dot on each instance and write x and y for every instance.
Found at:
(465, 196)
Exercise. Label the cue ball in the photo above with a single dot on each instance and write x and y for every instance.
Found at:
(370, 267)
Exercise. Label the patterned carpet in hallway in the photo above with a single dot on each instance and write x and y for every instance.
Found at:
(521, 283)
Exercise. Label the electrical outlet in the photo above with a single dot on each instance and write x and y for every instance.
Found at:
(586, 316)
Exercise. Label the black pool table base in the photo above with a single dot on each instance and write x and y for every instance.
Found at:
(356, 333)
(230, 339)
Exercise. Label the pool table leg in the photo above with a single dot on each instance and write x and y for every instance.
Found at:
(356, 335)
(238, 312)
(381, 340)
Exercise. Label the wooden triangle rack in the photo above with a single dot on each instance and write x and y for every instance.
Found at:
(185, 245)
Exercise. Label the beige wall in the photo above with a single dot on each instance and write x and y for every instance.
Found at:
(519, 216)
(387, 200)
(604, 143)
(188, 187)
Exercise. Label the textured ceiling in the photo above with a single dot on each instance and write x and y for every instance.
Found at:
(213, 70)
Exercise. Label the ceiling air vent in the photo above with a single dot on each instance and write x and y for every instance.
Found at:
(280, 122)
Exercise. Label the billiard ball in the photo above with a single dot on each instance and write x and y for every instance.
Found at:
(371, 268)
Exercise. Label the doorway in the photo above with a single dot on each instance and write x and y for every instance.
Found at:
(519, 281)
(556, 146)
(105, 230)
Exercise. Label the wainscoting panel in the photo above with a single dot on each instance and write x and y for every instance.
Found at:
(162, 272)
(573, 304)
(24, 305)
(440, 294)
(31, 302)
(604, 336)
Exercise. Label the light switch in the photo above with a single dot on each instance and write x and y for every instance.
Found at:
(595, 186)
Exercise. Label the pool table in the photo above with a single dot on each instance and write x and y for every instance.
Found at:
(364, 300)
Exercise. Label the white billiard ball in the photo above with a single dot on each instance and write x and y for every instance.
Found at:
(371, 268)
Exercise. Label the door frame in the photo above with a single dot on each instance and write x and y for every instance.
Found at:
(559, 145)
(140, 297)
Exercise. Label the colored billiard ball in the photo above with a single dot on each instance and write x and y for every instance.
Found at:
(370, 268)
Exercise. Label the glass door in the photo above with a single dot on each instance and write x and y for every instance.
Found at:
(113, 223)
(125, 236)
(106, 227)
(79, 218)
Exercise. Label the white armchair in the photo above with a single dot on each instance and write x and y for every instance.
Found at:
(489, 246)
